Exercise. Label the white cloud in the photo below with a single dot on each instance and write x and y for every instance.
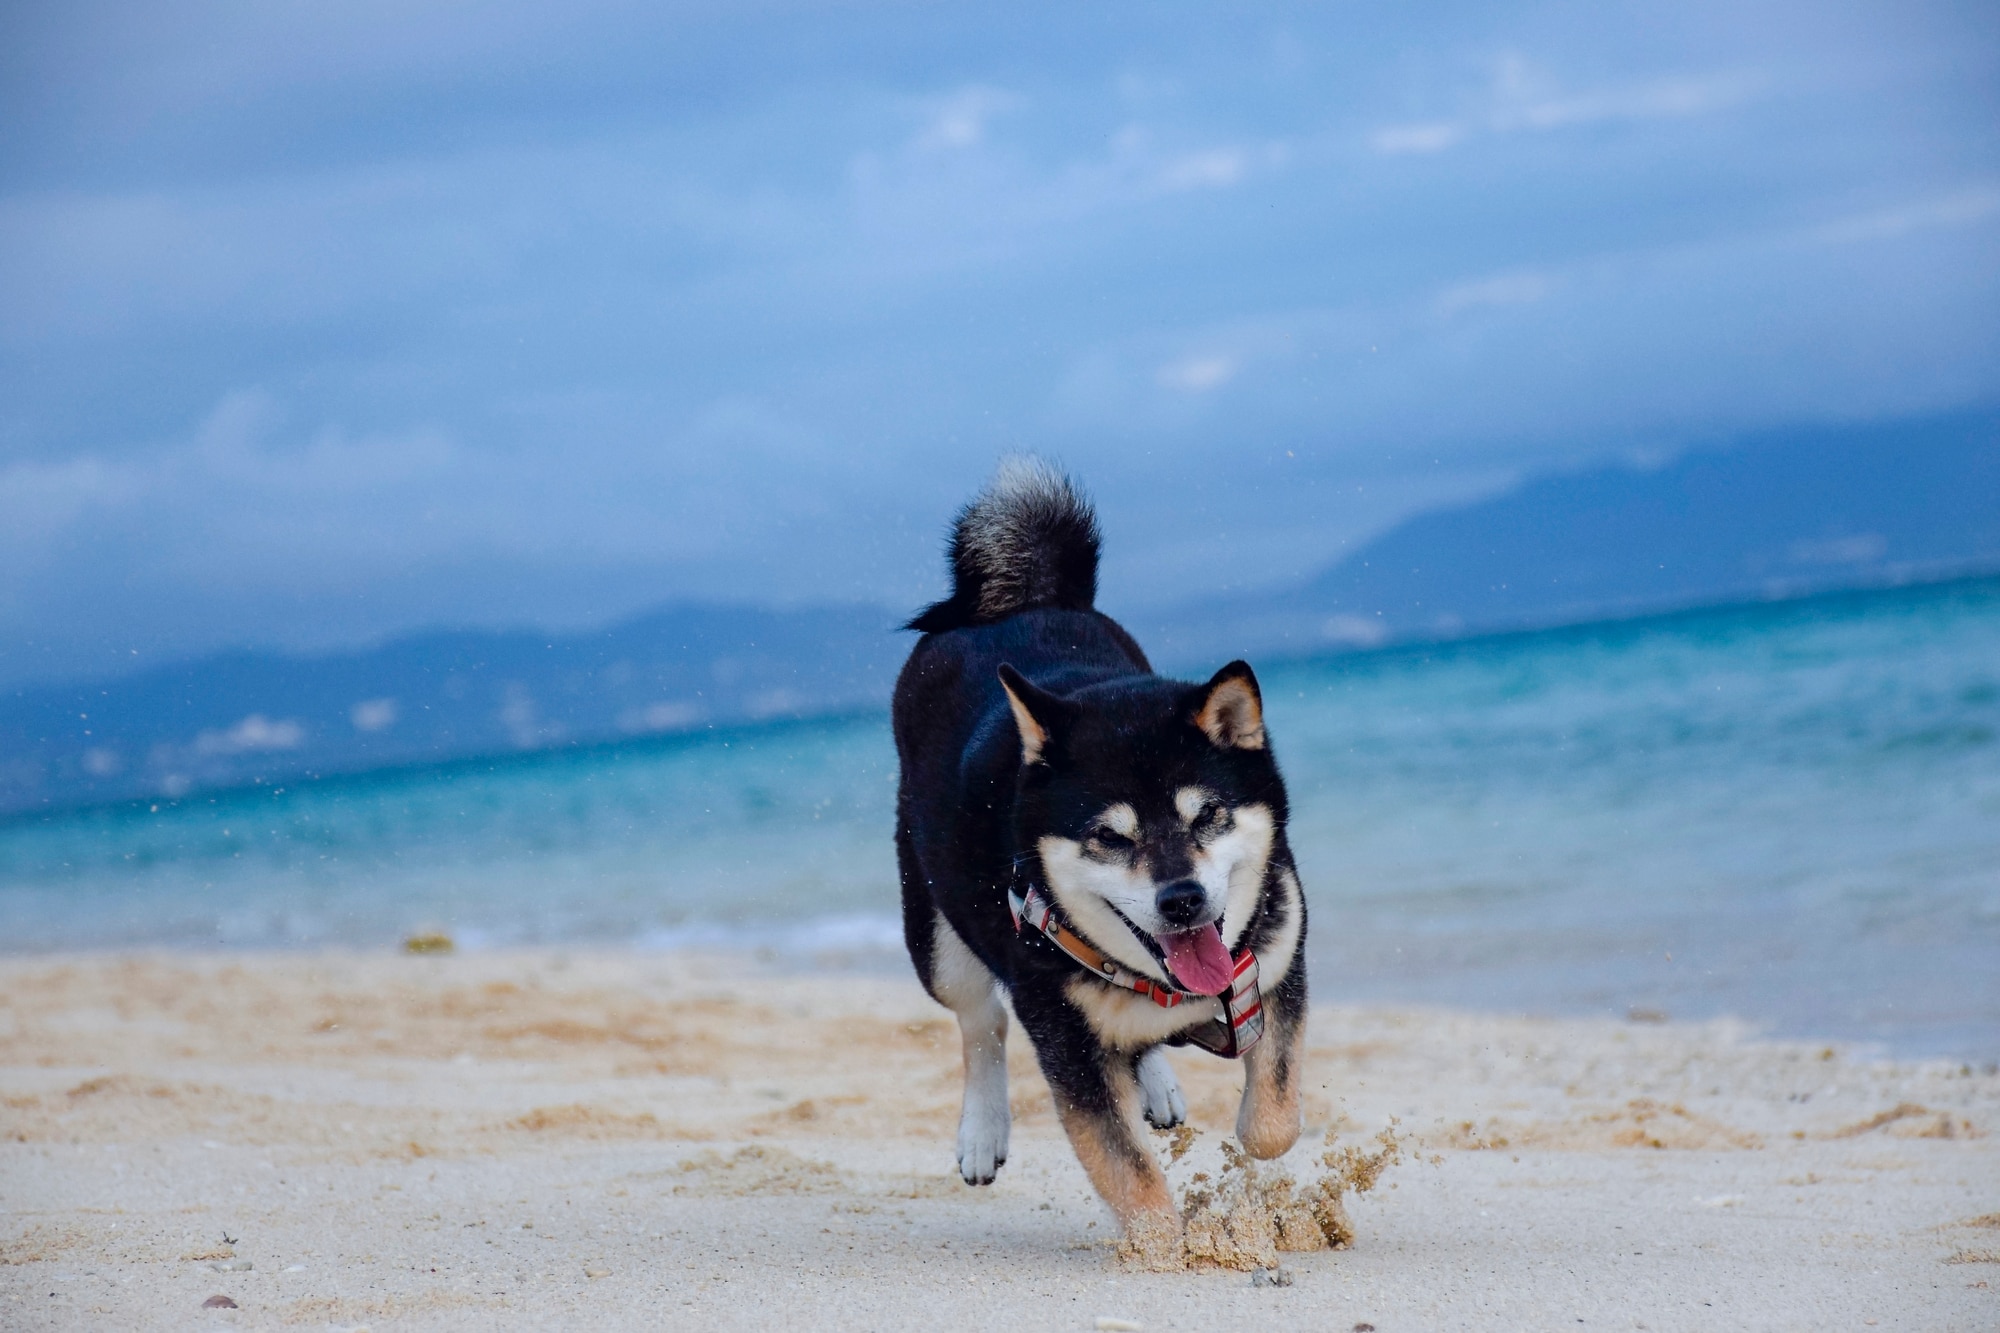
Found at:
(1855, 550)
(1662, 99)
(522, 718)
(1430, 137)
(255, 732)
(960, 121)
(659, 717)
(237, 464)
(38, 499)
(774, 703)
(373, 714)
(1952, 210)
(1207, 170)
(1355, 631)
(958, 199)
(1523, 99)
(1198, 374)
(1502, 289)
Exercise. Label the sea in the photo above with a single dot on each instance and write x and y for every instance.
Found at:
(1786, 814)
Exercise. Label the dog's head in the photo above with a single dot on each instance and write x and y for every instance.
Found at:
(1154, 807)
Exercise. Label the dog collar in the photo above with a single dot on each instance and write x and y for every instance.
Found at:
(1242, 1021)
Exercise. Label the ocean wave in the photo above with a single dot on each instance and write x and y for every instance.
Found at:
(846, 933)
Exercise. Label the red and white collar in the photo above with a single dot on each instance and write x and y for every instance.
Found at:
(1242, 1021)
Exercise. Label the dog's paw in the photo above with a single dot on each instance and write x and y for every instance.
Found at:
(1160, 1091)
(982, 1139)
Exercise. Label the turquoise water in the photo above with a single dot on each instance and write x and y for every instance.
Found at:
(1789, 813)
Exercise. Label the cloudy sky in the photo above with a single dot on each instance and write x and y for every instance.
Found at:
(319, 321)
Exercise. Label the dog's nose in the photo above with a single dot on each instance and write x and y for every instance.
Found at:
(1181, 903)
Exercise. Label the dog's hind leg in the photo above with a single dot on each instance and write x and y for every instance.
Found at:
(961, 982)
(1159, 1090)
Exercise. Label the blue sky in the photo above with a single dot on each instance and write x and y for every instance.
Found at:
(319, 322)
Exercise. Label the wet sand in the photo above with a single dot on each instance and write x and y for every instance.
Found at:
(613, 1140)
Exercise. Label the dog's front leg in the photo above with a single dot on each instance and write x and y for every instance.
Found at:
(1159, 1090)
(1097, 1097)
(1267, 1123)
(1123, 1170)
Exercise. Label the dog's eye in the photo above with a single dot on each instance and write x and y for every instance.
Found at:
(1102, 839)
(1211, 818)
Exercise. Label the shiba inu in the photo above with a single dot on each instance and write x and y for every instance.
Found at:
(1098, 848)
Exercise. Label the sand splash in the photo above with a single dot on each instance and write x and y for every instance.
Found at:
(1245, 1215)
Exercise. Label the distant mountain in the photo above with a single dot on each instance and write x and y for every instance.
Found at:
(1781, 515)
(1778, 516)
(240, 718)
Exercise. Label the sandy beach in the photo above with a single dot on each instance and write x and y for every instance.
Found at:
(614, 1140)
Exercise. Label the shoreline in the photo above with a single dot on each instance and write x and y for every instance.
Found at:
(868, 944)
(449, 1141)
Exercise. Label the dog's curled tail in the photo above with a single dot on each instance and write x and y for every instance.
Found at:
(1028, 540)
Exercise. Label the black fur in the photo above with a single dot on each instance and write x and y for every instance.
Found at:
(969, 811)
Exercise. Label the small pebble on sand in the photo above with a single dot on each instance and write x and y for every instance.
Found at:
(218, 1303)
(232, 1266)
(595, 1273)
(1271, 1277)
(1111, 1323)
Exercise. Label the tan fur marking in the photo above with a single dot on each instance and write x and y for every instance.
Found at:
(1120, 818)
(1268, 1121)
(1125, 1021)
(1275, 959)
(1233, 715)
(1120, 1168)
(1033, 737)
(1188, 801)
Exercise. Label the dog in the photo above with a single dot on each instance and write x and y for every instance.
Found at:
(1098, 848)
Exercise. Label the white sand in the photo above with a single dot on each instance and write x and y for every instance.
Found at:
(461, 1142)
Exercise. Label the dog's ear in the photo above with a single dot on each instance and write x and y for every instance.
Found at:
(1230, 709)
(1037, 714)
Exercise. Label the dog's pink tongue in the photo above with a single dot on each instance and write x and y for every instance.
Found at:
(1198, 960)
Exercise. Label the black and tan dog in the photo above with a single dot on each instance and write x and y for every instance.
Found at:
(1098, 846)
